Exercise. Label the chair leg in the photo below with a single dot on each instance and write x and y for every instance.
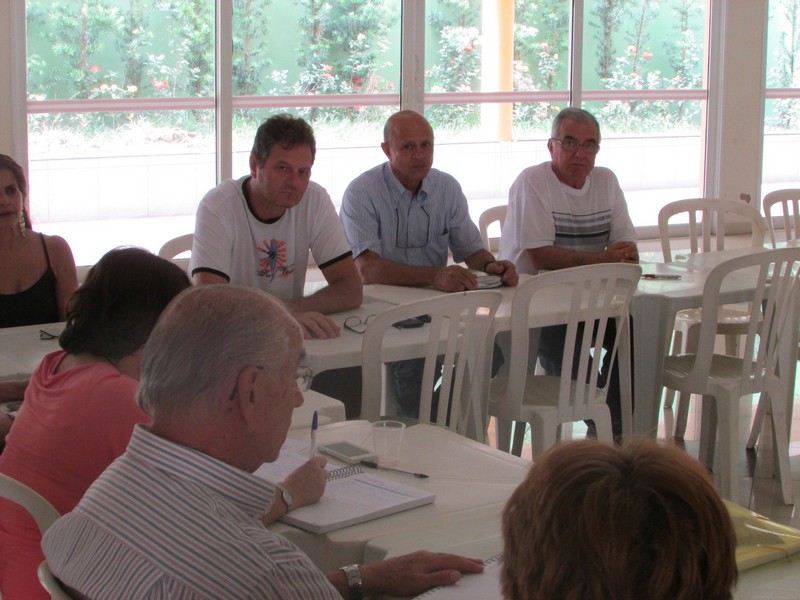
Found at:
(708, 431)
(519, 438)
(728, 426)
(781, 436)
(503, 434)
(543, 436)
(602, 422)
(677, 342)
(683, 414)
(758, 419)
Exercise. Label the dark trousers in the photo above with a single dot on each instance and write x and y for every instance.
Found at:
(406, 379)
(551, 350)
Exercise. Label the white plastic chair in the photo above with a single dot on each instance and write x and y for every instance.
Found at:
(53, 586)
(592, 294)
(723, 379)
(788, 217)
(459, 336)
(707, 223)
(40, 509)
(176, 246)
(496, 214)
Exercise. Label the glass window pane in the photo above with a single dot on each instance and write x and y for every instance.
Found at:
(121, 119)
(782, 110)
(336, 64)
(495, 75)
(642, 78)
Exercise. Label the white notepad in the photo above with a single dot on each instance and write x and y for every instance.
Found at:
(350, 497)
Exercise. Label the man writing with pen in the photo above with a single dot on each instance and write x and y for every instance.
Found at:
(179, 514)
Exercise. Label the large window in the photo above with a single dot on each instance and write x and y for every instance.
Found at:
(781, 169)
(136, 108)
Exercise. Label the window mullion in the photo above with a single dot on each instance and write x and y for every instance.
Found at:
(412, 53)
(224, 89)
(575, 77)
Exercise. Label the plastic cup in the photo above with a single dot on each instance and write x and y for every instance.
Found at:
(387, 437)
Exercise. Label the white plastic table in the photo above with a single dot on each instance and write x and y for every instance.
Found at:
(22, 349)
(471, 481)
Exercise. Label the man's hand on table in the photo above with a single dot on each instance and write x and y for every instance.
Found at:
(624, 252)
(411, 574)
(317, 325)
(455, 279)
(506, 270)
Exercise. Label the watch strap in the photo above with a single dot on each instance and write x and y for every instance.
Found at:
(353, 575)
(288, 499)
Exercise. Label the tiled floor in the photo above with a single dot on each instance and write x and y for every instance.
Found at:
(759, 491)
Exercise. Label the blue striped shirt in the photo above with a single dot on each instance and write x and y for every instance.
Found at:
(166, 521)
(381, 215)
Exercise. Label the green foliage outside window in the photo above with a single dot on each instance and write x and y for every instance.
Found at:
(785, 72)
(118, 49)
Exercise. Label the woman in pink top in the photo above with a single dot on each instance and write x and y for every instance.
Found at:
(80, 406)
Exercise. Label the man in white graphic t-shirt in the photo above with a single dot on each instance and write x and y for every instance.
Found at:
(257, 230)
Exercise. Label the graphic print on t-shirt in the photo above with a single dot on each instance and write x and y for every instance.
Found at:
(272, 260)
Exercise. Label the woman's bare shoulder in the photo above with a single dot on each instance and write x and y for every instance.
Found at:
(60, 253)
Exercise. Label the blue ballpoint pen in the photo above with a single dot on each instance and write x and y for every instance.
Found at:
(314, 426)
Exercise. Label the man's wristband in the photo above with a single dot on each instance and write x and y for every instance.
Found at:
(487, 264)
(353, 575)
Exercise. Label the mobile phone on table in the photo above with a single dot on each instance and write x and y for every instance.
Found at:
(413, 322)
(347, 452)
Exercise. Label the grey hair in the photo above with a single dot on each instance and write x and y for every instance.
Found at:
(207, 335)
(574, 114)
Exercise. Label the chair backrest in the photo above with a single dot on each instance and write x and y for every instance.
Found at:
(777, 277)
(788, 217)
(496, 214)
(591, 294)
(53, 586)
(459, 336)
(40, 509)
(707, 221)
(176, 246)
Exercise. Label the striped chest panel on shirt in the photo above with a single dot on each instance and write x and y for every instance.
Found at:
(585, 233)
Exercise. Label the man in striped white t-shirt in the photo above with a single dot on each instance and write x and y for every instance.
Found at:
(180, 515)
(567, 213)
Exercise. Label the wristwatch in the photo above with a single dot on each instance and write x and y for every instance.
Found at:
(288, 500)
(353, 575)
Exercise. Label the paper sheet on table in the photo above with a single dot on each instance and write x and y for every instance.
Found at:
(759, 540)
(348, 500)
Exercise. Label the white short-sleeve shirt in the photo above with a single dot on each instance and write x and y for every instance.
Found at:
(543, 211)
(229, 240)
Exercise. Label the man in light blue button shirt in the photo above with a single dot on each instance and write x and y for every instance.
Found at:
(401, 218)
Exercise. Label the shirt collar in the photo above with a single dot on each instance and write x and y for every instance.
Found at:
(252, 494)
(398, 190)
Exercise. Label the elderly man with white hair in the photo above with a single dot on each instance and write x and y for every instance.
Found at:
(179, 515)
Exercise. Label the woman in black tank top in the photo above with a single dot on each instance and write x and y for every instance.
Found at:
(37, 272)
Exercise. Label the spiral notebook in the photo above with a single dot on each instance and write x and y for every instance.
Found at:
(485, 586)
(351, 496)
